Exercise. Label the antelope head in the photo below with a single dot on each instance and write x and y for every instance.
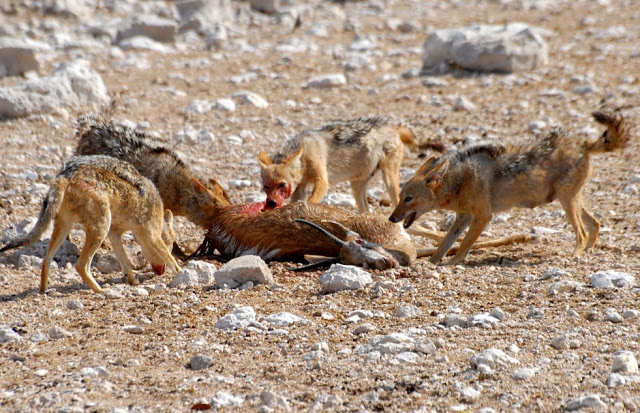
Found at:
(353, 251)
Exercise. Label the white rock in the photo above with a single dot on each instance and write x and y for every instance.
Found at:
(7, 334)
(339, 199)
(453, 319)
(58, 332)
(18, 56)
(610, 314)
(464, 104)
(326, 81)
(630, 314)
(271, 401)
(70, 85)
(198, 106)
(283, 319)
(144, 43)
(483, 319)
(239, 271)
(553, 272)
(344, 277)
(485, 48)
(153, 27)
(200, 361)
(564, 286)
(624, 362)
(587, 401)
(612, 279)
(364, 328)
(565, 342)
(616, 380)
(493, 358)
(406, 357)
(224, 399)
(74, 304)
(239, 318)
(196, 273)
(324, 402)
(252, 98)
(226, 104)
(265, 6)
(407, 311)
(469, 394)
(133, 329)
(200, 14)
(498, 313)
(523, 373)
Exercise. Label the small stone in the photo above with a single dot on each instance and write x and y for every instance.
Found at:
(7, 334)
(630, 314)
(74, 304)
(200, 361)
(523, 373)
(243, 269)
(133, 329)
(364, 328)
(610, 314)
(326, 81)
(58, 333)
(283, 319)
(406, 311)
(612, 279)
(624, 362)
(344, 277)
(588, 401)
(241, 317)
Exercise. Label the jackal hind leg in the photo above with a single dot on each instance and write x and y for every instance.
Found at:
(95, 235)
(572, 206)
(461, 223)
(115, 237)
(61, 229)
(593, 225)
(478, 224)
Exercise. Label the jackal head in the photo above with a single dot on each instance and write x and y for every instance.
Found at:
(208, 199)
(420, 193)
(279, 179)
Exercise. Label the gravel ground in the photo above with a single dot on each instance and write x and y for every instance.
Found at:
(518, 328)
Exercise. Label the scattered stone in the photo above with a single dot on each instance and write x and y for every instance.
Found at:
(630, 314)
(482, 319)
(133, 329)
(624, 362)
(265, 6)
(453, 319)
(324, 402)
(326, 81)
(553, 272)
(252, 98)
(523, 373)
(7, 334)
(587, 401)
(344, 277)
(241, 317)
(198, 15)
(224, 399)
(612, 279)
(364, 328)
(283, 319)
(406, 311)
(18, 56)
(564, 286)
(70, 85)
(610, 314)
(226, 104)
(485, 48)
(58, 332)
(493, 358)
(565, 342)
(239, 271)
(200, 362)
(196, 273)
(271, 401)
(74, 304)
(153, 27)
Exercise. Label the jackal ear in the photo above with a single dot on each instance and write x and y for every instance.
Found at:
(426, 167)
(293, 159)
(218, 191)
(264, 160)
(436, 174)
(204, 196)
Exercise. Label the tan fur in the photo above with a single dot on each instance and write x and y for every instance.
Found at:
(479, 181)
(107, 197)
(339, 151)
(244, 229)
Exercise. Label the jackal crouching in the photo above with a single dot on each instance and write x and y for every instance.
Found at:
(152, 159)
(107, 197)
(338, 151)
(479, 181)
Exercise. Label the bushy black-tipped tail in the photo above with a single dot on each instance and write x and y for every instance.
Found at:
(616, 136)
(48, 212)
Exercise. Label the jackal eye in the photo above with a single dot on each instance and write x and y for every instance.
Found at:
(281, 185)
(408, 199)
(265, 188)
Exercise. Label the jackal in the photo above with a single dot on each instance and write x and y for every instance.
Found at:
(479, 181)
(152, 159)
(352, 150)
(107, 197)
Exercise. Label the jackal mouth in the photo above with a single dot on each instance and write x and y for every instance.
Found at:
(409, 220)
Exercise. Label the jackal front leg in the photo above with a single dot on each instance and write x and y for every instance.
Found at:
(459, 225)
(475, 229)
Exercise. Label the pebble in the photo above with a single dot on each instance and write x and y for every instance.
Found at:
(326, 81)
(587, 401)
(407, 311)
(283, 319)
(241, 270)
(364, 328)
(57, 333)
(133, 329)
(610, 314)
(624, 362)
(523, 373)
(612, 279)
(493, 358)
(7, 334)
(343, 277)
(196, 273)
(74, 304)
(241, 317)
(200, 361)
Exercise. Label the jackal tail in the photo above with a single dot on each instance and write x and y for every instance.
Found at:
(615, 137)
(48, 212)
